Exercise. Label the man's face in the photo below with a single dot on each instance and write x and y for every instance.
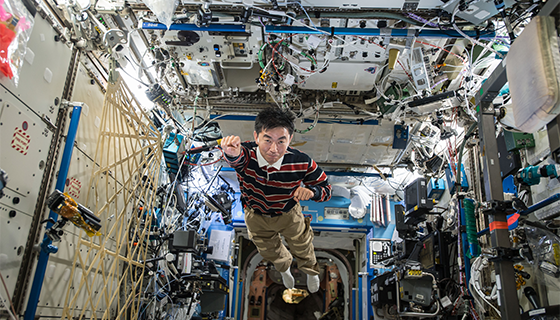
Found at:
(273, 143)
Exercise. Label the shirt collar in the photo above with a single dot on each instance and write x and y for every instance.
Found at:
(263, 162)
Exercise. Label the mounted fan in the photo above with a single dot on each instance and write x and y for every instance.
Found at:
(186, 38)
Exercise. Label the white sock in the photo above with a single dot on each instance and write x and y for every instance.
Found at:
(313, 283)
(288, 279)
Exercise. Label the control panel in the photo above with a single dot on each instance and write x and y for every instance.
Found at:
(336, 213)
(379, 250)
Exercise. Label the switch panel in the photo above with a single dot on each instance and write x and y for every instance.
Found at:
(336, 213)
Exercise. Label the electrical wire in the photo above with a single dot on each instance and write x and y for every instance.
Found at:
(304, 11)
(9, 298)
(134, 78)
(475, 279)
(474, 41)
(210, 163)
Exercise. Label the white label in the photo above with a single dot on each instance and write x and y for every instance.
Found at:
(482, 14)
(291, 58)
(313, 42)
(537, 312)
(74, 187)
(498, 282)
(445, 302)
(220, 240)
(188, 263)
(289, 80)
(21, 140)
(97, 122)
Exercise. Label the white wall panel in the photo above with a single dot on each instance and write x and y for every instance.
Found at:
(90, 121)
(33, 89)
(24, 143)
(14, 232)
(58, 274)
(24, 168)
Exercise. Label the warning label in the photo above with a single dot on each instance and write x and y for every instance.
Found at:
(20, 141)
(74, 187)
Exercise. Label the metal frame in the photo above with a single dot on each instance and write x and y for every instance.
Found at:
(60, 184)
(499, 233)
(48, 175)
(374, 32)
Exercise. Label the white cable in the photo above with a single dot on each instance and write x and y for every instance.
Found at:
(474, 283)
(314, 29)
(6, 303)
(469, 38)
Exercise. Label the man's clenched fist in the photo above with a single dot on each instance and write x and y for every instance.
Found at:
(303, 194)
(231, 146)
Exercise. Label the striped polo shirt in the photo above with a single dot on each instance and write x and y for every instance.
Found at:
(270, 188)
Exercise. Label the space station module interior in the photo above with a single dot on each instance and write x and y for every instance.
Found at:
(435, 121)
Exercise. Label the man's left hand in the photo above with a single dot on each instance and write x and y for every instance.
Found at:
(303, 194)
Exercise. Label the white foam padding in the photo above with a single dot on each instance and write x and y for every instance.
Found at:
(533, 70)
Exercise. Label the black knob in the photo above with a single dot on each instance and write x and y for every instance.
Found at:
(12, 213)
(15, 200)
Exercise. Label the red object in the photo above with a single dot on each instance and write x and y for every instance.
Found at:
(498, 225)
(6, 37)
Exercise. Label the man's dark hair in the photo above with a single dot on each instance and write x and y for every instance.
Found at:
(271, 118)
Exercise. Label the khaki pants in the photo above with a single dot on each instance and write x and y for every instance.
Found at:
(265, 233)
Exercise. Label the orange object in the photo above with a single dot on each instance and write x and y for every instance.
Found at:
(6, 37)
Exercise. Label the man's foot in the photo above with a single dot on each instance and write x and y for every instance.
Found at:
(288, 279)
(313, 283)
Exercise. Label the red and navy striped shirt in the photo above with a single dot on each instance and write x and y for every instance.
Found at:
(269, 190)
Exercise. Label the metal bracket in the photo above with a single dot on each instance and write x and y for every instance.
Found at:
(502, 254)
(114, 37)
(499, 207)
(113, 73)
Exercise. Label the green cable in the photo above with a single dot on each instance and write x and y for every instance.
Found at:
(261, 50)
(470, 221)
